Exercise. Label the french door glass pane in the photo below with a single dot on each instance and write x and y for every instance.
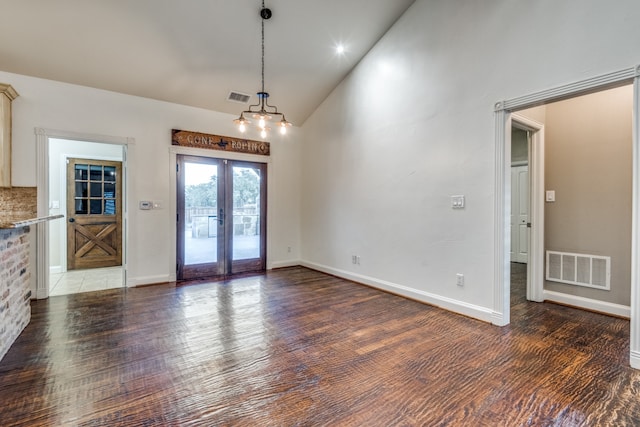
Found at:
(81, 172)
(109, 173)
(246, 213)
(96, 173)
(96, 189)
(200, 213)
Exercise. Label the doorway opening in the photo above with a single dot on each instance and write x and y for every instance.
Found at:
(86, 187)
(221, 220)
(86, 248)
(82, 177)
(520, 218)
(504, 113)
(587, 201)
(527, 210)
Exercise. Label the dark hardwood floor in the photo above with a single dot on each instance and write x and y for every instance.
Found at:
(295, 347)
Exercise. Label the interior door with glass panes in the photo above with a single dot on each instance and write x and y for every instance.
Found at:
(94, 214)
(221, 217)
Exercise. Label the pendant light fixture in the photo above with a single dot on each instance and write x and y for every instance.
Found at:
(262, 111)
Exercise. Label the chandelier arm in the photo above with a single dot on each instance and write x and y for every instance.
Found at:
(250, 110)
(275, 109)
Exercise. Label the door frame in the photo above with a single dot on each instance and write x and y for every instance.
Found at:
(174, 151)
(535, 267)
(43, 136)
(502, 120)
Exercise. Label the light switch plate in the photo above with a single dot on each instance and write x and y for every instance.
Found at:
(457, 202)
(550, 196)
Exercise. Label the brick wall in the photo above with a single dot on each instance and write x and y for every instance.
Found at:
(15, 295)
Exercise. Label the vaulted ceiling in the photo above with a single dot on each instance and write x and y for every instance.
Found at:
(194, 52)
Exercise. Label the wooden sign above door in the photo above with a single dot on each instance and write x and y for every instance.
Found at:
(185, 138)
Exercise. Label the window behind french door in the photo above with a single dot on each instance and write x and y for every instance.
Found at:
(221, 217)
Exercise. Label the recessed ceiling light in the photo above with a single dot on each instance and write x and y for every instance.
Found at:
(340, 49)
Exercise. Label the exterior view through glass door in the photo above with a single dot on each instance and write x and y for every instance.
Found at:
(221, 217)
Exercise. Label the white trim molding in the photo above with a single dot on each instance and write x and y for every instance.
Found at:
(283, 264)
(42, 229)
(460, 307)
(502, 227)
(583, 87)
(634, 359)
(635, 233)
(149, 280)
(588, 304)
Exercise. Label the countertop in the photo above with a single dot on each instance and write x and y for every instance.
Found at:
(7, 223)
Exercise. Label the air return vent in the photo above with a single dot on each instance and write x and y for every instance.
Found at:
(592, 271)
(241, 98)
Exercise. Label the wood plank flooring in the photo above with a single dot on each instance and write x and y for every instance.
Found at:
(295, 347)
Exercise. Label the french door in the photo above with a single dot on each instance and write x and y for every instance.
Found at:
(221, 217)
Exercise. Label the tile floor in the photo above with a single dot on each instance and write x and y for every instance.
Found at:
(76, 281)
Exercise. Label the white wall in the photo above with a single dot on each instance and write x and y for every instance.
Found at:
(413, 124)
(59, 106)
(588, 163)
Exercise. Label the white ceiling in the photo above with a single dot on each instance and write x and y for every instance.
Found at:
(194, 52)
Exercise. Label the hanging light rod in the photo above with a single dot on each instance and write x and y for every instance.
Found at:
(262, 111)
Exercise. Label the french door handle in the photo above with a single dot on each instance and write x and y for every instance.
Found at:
(221, 217)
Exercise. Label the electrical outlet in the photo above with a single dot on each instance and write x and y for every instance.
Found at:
(460, 279)
(289, 249)
(358, 259)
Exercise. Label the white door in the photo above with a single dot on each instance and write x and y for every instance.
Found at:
(520, 214)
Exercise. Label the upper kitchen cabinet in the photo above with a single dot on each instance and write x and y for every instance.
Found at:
(7, 95)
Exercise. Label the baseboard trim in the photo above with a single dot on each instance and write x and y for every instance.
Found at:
(283, 264)
(55, 269)
(147, 280)
(588, 304)
(498, 319)
(634, 359)
(449, 304)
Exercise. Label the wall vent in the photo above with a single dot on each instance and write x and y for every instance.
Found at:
(241, 98)
(592, 271)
